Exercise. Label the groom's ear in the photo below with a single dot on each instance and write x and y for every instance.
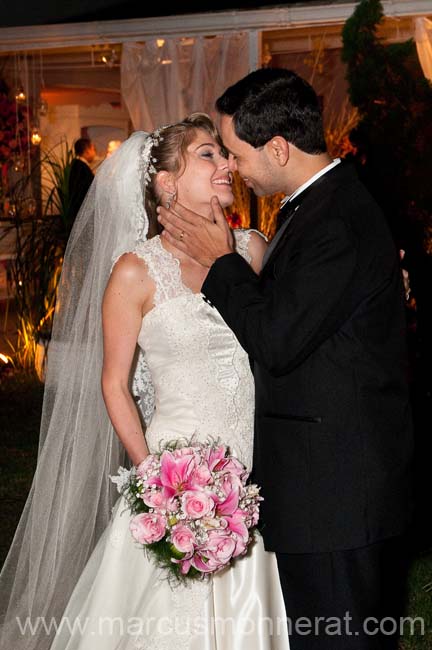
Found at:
(278, 150)
(166, 182)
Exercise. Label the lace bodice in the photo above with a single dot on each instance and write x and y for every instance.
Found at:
(202, 383)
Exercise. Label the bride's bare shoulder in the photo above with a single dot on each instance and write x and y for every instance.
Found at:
(129, 264)
(130, 271)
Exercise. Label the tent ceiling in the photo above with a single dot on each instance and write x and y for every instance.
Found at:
(264, 18)
(54, 12)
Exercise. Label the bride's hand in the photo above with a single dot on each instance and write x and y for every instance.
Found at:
(201, 239)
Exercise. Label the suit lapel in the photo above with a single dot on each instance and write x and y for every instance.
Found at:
(320, 186)
(278, 239)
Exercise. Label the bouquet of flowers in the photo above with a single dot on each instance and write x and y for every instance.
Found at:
(192, 508)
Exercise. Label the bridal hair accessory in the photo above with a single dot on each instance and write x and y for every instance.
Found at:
(193, 511)
(153, 140)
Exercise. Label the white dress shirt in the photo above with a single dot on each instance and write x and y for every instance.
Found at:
(311, 180)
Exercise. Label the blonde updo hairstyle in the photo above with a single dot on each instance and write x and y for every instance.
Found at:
(170, 156)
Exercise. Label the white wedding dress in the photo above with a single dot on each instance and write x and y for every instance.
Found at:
(203, 387)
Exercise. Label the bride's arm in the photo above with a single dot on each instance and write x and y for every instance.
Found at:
(127, 298)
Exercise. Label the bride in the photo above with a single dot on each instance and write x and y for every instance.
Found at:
(121, 285)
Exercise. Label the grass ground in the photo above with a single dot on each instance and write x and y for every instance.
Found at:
(20, 409)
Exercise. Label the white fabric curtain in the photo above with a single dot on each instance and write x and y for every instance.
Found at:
(162, 81)
(423, 39)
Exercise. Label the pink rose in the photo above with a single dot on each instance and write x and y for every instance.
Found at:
(148, 527)
(197, 504)
(220, 547)
(240, 545)
(201, 476)
(147, 466)
(172, 504)
(183, 539)
(183, 451)
(217, 552)
(155, 499)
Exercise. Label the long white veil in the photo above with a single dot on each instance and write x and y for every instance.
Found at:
(71, 497)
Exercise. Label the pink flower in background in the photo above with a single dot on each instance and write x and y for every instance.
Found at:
(183, 539)
(234, 220)
(148, 528)
(197, 504)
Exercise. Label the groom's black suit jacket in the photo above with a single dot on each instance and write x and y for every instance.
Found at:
(324, 327)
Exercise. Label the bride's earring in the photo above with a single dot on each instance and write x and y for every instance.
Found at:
(170, 199)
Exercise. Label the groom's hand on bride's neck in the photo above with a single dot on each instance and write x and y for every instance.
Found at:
(202, 239)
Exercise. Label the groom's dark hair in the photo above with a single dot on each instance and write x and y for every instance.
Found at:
(275, 101)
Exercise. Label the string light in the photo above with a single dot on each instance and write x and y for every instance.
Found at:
(20, 95)
(36, 137)
(109, 58)
(160, 42)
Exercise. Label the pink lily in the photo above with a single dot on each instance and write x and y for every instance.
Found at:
(214, 455)
(175, 473)
(236, 523)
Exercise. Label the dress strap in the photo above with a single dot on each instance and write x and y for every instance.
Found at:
(242, 239)
(163, 268)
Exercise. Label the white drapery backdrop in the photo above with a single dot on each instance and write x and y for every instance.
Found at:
(162, 81)
(423, 39)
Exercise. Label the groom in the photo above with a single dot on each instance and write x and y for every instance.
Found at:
(324, 327)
